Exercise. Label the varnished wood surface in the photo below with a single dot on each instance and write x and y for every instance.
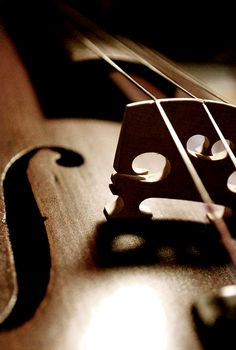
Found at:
(110, 287)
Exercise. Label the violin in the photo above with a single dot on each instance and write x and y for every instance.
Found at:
(75, 274)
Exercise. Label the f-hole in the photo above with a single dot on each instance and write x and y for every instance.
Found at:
(28, 235)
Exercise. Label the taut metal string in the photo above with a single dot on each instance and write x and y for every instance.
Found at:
(100, 33)
(221, 136)
(124, 47)
(211, 212)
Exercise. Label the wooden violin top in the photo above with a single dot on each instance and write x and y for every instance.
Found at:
(69, 278)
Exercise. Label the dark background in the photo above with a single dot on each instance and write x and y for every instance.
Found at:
(183, 30)
(202, 30)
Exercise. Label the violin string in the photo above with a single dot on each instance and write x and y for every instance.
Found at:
(220, 134)
(202, 101)
(111, 62)
(198, 183)
(218, 221)
(73, 14)
(124, 47)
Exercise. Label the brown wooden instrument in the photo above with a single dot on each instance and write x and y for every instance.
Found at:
(70, 279)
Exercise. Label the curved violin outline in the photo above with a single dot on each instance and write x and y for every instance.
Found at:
(29, 291)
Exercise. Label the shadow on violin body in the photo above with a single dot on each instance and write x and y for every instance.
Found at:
(163, 242)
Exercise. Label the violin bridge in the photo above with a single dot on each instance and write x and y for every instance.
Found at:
(144, 136)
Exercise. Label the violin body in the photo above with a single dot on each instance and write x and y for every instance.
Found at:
(69, 278)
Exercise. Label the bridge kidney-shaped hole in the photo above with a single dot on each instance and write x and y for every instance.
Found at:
(231, 183)
(199, 145)
(153, 166)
